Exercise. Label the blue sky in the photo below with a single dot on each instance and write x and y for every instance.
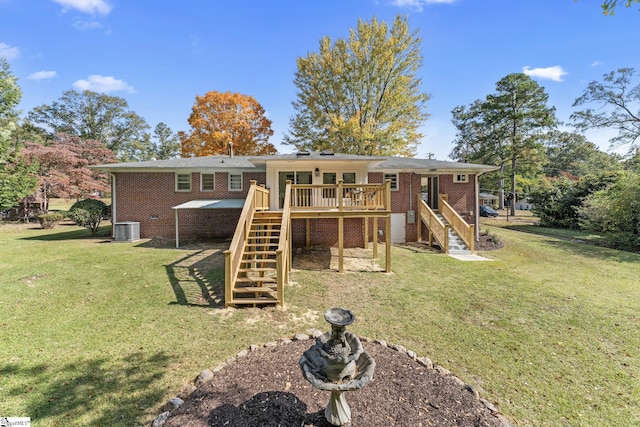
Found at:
(159, 55)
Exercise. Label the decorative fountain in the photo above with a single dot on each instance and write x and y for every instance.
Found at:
(337, 363)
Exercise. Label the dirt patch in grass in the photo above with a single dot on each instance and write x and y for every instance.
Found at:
(322, 258)
(266, 388)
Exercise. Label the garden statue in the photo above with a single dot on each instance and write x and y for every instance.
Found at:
(337, 363)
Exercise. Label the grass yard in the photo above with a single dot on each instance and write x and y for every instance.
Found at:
(102, 334)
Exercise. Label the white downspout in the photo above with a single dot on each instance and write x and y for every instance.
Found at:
(177, 238)
(113, 205)
(477, 205)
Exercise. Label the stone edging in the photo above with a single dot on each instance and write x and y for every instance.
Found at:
(208, 374)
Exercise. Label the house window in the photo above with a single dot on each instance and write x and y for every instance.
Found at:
(349, 177)
(394, 180)
(207, 182)
(461, 178)
(329, 178)
(235, 181)
(183, 182)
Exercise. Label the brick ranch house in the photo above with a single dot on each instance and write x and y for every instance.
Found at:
(202, 197)
(269, 204)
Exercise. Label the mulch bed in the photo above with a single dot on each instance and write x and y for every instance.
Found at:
(266, 388)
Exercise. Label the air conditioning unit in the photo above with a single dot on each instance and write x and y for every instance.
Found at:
(128, 231)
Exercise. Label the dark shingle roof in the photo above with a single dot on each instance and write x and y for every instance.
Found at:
(258, 163)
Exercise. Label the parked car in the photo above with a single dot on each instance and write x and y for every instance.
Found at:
(487, 211)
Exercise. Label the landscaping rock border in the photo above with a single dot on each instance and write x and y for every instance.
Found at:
(208, 375)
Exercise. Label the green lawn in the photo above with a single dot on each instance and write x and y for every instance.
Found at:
(99, 333)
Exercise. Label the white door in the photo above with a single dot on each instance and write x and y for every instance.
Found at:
(398, 225)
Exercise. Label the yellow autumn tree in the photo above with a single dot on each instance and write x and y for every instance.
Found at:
(220, 118)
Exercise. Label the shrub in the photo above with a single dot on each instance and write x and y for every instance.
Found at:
(50, 220)
(89, 213)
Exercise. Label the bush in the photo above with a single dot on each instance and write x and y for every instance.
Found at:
(50, 220)
(89, 213)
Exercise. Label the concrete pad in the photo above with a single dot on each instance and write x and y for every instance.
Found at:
(470, 257)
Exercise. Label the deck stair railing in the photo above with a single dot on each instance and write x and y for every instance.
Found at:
(464, 230)
(437, 230)
(250, 259)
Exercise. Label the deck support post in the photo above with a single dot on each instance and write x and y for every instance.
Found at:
(341, 245)
(375, 237)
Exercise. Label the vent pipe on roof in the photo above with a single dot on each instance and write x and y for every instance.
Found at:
(231, 149)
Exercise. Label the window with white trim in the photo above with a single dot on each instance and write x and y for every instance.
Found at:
(393, 177)
(235, 181)
(183, 182)
(461, 178)
(207, 182)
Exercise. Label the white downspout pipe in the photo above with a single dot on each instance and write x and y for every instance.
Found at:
(113, 205)
(177, 238)
(477, 205)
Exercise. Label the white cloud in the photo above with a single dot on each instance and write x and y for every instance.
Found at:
(596, 63)
(418, 4)
(554, 73)
(103, 84)
(42, 75)
(82, 25)
(8, 52)
(92, 7)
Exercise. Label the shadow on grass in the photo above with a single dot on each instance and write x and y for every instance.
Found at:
(589, 246)
(197, 279)
(592, 251)
(104, 232)
(110, 392)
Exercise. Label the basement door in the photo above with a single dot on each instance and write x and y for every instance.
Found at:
(398, 225)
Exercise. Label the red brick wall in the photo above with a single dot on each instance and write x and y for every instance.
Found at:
(324, 232)
(147, 198)
(403, 200)
(461, 195)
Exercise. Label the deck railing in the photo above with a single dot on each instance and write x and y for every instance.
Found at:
(283, 253)
(437, 230)
(340, 196)
(258, 198)
(465, 230)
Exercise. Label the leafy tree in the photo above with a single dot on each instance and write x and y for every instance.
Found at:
(615, 211)
(618, 107)
(167, 143)
(609, 6)
(557, 200)
(16, 181)
(572, 154)
(220, 118)
(361, 95)
(480, 139)
(62, 166)
(507, 128)
(100, 117)
(633, 162)
(89, 213)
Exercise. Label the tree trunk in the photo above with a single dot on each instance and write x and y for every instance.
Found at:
(513, 186)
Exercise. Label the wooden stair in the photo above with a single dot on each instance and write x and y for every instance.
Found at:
(257, 276)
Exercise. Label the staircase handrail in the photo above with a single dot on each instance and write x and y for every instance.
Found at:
(257, 199)
(437, 229)
(283, 253)
(465, 230)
